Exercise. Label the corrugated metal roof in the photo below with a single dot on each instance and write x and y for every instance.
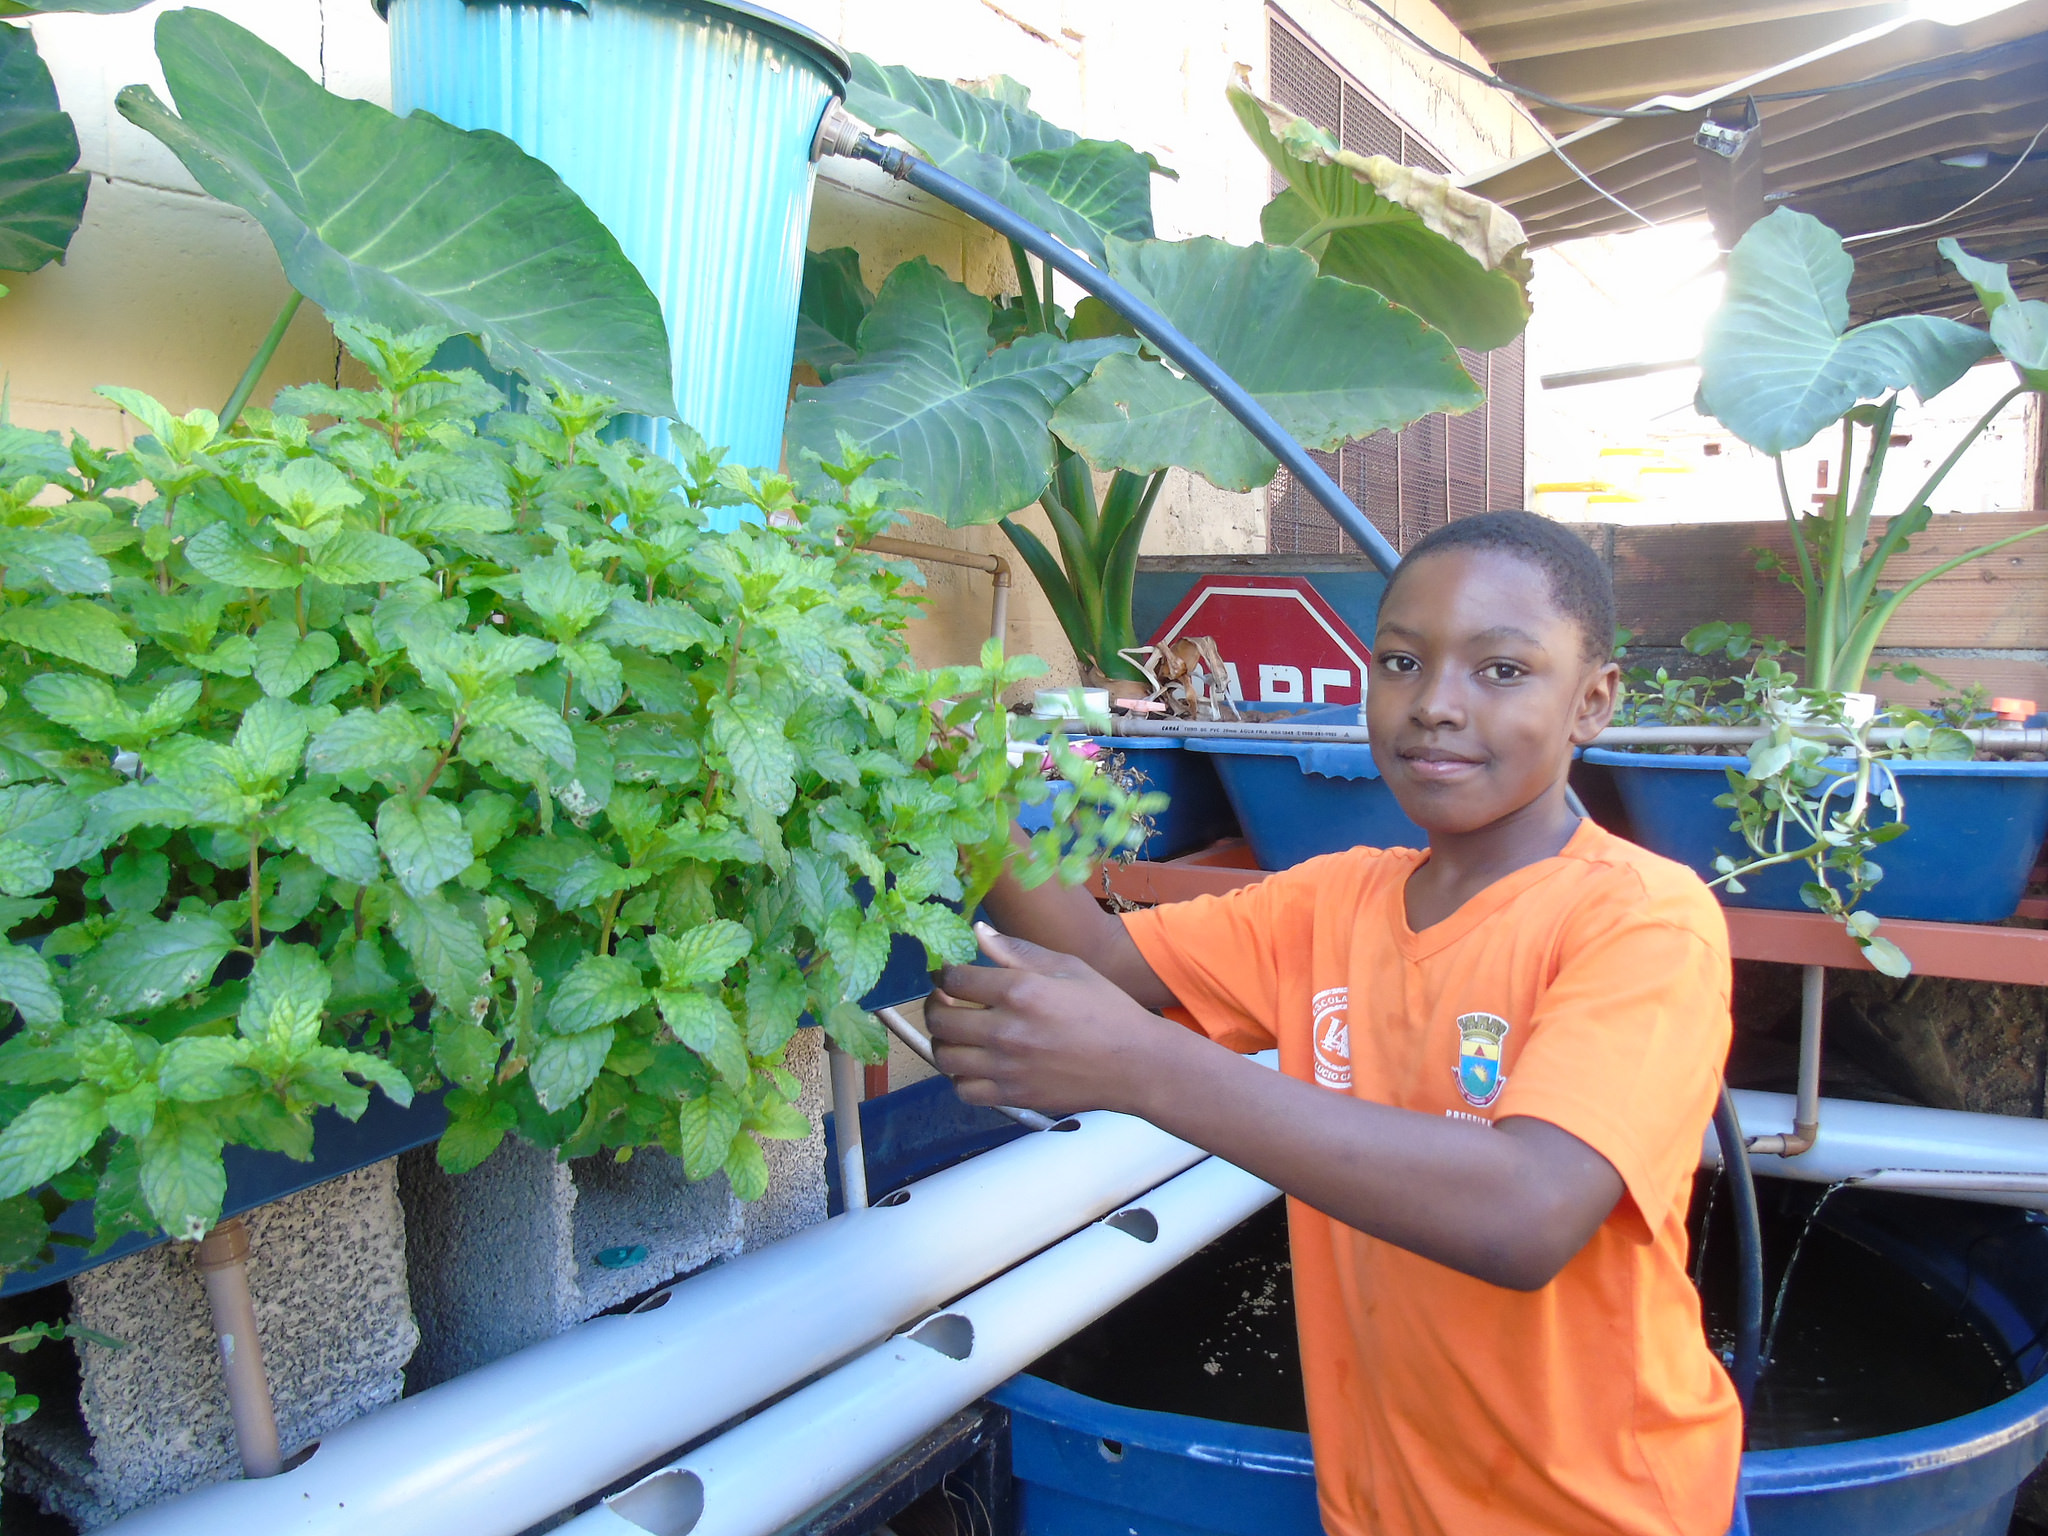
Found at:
(1952, 109)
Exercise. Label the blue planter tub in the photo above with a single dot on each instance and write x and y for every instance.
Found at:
(1197, 812)
(1298, 799)
(1975, 829)
(686, 125)
(1086, 1467)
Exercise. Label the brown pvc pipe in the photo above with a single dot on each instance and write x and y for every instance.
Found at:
(223, 1259)
(941, 554)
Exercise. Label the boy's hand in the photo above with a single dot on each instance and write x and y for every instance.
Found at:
(1044, 1031)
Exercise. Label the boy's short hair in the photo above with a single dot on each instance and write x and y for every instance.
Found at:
(1579, 583)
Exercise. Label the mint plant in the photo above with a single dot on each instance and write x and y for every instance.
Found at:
(440, 744)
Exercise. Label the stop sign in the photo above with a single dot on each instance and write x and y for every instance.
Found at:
(1280, 642)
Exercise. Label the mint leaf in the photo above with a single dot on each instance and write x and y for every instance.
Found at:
(566, 1066)
(25, 982)
(746, 1169)
(285, 661)
(369, 741)
(149, 964)
(352, 557)
(600, 990)
(49, 1136)
(762, 760)
(182, 1176)
(531, 721)
(447, 950)
(709, 1123)
(465, 1051)
(328, 833)
(701, 954)
(82, 632)
(705, 1027)
(286, 999)
(223, 553)
(424, 841)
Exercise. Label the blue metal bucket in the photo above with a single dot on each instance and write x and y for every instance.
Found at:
(1974, 829)
(686, 125)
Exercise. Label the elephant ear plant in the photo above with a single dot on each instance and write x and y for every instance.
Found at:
(1781, 364)
(407, 751)
(989, 407)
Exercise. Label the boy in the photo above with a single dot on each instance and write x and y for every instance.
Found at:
(1498, 1059)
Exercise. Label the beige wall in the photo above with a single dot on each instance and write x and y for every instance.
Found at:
(168, 291)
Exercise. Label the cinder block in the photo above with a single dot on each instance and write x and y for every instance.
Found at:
(507, 1254)
(327, 1273)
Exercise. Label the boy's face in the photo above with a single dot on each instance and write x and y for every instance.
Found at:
(1480, 690)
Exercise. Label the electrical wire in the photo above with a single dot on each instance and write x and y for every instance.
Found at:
(1942, 218)
(1583, 109)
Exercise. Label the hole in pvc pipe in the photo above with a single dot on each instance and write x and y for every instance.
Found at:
(900, 1197)
(1138, 1222)
(668, 1504)
(949, 1333)
(1068, 1125)
(1112, 1450)
(653, 1303)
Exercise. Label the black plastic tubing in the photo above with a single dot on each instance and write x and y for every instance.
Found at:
(1155, 328)
(1749, 1242)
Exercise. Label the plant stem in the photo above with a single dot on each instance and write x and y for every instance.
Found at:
(1050, 308)
(1941, 470)
(454, 741)
(264, 353)
(255, 892)
(1034, 312)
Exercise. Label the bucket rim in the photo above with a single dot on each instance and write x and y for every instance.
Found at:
(1622, 757)
(818, 48)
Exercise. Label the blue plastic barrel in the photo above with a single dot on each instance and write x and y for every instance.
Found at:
(686, 125)
(1197, 811)
(1974, 831)
(1296, 800)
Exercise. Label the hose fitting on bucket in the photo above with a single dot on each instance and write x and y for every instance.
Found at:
(839, 133)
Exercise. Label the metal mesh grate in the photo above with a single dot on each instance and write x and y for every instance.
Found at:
(1409, 482)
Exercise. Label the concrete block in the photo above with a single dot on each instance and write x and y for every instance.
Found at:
(327, 1272)
(507, 1254)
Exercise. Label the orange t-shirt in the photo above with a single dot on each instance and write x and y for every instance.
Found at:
(1589, 990)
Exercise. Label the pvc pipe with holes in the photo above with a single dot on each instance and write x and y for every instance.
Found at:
(506, 1446)
(1996, 1159)
(791, 1458)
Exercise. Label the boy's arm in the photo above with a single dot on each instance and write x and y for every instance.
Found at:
(1068, 921)
(1509, 1203)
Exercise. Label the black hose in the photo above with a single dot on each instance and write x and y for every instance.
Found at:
(1749, 1250)
(1155, 328)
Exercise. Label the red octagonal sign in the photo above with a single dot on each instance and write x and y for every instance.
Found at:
(1280, 642)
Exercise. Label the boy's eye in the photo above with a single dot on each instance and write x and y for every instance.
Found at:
(1396, 662)
(1503, 671)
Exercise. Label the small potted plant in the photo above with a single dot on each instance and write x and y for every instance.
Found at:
(1780, 365)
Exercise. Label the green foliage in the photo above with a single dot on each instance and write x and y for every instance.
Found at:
(42, 198)
(17, 1406)
(1079, 189)
(1813, 788)
(405, 751)
(989, 406)
(1779, 365)
(1408, 234)
(1330, 360)
(408, 222)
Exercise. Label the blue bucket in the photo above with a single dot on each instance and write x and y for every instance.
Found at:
(1975, 831)
(686, 125)
(1299, 799)
(1197, 811)
(1089, 1468)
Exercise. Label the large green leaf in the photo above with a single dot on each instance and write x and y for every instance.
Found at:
(41, 197)
(1080, 189)
(828, 316)
(408, 222)
(1457, 260)
(48, 7)
(1780, 362)
(968, 427)
(1330, 360)
(2019, 327)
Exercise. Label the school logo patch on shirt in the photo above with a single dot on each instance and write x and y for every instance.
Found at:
(1480, 1078)
(1331, 1033)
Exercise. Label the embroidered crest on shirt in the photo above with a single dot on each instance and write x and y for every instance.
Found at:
(1480, 1078)
(1331, 1034)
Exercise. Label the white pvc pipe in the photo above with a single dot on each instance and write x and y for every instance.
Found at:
(847, 1092)
(501, 1448)
(793, 1457)
(1996, 1159)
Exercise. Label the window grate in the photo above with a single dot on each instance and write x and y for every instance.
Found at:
(1407, 482)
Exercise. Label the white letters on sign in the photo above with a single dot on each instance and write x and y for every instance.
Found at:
(1322, 679)
(1280, 685)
